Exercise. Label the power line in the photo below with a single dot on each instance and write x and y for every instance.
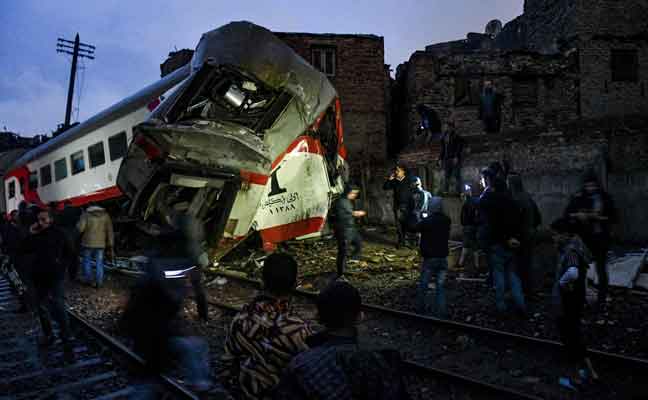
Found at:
(77, 50)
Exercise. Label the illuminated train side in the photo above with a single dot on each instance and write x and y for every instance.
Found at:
(81, 164)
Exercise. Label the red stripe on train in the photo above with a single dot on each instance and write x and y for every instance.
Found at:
(285, 232)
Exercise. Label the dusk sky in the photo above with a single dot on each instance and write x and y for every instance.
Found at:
(133, 38)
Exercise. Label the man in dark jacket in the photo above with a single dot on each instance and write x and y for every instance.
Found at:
(67, 219)
(13, 237)
(344, 226)
(490, 104)
(530, 219)
(595, 211)
(499, 235)
(469, 223)
(399, 185)
(451, 157)
(336, 367)
(51, 257)
(435, 233)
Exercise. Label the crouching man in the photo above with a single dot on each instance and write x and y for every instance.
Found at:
(335, 367)
(569, 298)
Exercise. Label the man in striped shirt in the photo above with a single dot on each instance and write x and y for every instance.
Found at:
(264, 337)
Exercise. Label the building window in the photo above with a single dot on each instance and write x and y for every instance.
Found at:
(12, 189)
(77, 162)
(96, 155)
(525, 92)
(33, 180)
(60, 169)
(46, 175)
(625, 66)
(323, 58)
(117, 146)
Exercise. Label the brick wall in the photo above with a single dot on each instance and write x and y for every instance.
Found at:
(360, 80)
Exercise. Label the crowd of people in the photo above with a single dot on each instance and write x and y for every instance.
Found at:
(271, 353)
(499, 233)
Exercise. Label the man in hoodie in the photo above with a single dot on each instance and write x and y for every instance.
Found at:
(96, 230)
(435, 233)
(335, 367)
(530, 219)
(346, 232)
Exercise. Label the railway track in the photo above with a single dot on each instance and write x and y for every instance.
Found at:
(103, 369)
(516, 364)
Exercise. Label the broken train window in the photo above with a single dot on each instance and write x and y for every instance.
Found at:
(228, 95)
(328, 136)
(625, 66)
(323, 58)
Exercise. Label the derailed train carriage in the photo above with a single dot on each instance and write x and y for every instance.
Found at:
(251, 141)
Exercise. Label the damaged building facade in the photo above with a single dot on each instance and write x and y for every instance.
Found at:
(571, 78)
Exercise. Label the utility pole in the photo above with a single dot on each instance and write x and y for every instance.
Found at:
(78, 50)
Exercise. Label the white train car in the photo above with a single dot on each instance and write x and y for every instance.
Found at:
(81, 164)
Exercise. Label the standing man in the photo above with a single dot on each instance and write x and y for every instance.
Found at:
(500, 236)
(346, 232)
(398, 184)
(490, 108)
(51, 257)
(435, 233)
(569, 297)
(67, 220)
(595, 211)
(450, 159)
(530, 219)
(96, 229)
(469, 223)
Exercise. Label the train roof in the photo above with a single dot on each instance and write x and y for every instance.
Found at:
(110, 114)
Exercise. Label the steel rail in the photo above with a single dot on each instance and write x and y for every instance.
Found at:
(500, 391)
(468, 328)
(119, 347)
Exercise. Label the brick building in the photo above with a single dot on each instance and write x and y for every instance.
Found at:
(572, 75)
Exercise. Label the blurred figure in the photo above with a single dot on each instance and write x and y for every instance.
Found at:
(346, 232)
(51, 257)
(499, 235)
(417, 209)
(469, 223)
(153, 320)
(399, 185)
(67, 219)
(530, 219)
(451, 157)
(596, 213)
(183, 246)
(264, 336)
(336, 367)
(569, 297)
(96, 229)
(435, 233)
(13, 236)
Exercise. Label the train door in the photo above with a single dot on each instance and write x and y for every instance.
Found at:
(14, 193)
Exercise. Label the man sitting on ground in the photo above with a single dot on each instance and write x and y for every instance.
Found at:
(335, 368)
(264, 337)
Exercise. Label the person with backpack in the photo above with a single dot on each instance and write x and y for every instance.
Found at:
(335, 366)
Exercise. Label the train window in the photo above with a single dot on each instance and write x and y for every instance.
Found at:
(46, 175)
(117, 145)
(60, 169)
(33, 180)
(96, 155)
(12, 189)
(77, 162)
